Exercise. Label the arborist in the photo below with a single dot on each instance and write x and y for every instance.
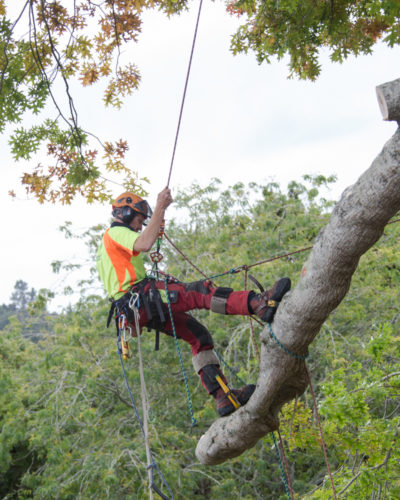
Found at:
(121, 268)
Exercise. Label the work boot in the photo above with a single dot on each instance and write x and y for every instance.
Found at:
(225, 406)
(224, 401)
(265, 304)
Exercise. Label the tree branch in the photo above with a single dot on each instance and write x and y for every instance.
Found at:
(379, 466)
(356, 223)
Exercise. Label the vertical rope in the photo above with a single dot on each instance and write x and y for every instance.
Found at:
(144, 398)
(184, 92)
(194, 421)
(278, 454)
(321, 432)
(253, 335)
(154, 465)
(286, 466)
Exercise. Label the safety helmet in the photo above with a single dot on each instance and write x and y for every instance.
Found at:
(128, 204)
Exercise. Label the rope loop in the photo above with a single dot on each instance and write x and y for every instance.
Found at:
(284, 348)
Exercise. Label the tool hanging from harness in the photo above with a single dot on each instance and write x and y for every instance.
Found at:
(149, 299)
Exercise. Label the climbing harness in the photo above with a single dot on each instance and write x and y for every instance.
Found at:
(151, 300)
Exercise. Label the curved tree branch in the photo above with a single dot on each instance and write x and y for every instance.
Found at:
(357, 222)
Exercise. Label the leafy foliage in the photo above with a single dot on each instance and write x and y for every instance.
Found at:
(51, 45)
(52, 41)
(300, 29)
(68, 429)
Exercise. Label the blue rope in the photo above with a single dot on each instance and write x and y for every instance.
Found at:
(283, 473)
(297, 356)
(234, 270)
(153, 465)
(194, 421)
(219, 356)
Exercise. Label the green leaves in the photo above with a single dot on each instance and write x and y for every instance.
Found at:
(300, 29)
(68, 428)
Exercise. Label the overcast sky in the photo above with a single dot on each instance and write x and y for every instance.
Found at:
(241, 122)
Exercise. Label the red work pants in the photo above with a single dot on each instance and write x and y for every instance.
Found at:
(189, 296)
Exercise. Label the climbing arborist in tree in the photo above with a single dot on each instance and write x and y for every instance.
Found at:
(121, 268)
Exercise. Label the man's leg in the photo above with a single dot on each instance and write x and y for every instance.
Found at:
(222, 300)
(206, 363)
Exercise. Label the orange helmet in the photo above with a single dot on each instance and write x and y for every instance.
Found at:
(128, 204)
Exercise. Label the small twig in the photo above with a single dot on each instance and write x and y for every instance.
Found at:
(379, 466)
(3, 73)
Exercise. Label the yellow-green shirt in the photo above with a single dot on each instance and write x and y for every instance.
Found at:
(118, 265)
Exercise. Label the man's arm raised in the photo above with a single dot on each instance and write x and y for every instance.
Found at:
(149, 235)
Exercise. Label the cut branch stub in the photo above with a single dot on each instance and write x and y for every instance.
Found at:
(389, 100)
(357, 222)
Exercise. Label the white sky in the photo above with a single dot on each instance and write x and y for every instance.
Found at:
(241, 122)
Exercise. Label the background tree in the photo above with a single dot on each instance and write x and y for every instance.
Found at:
(30, 307)
(6, 310)
(68, 429)
(22, 296)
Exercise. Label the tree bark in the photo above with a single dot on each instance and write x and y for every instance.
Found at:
(389, 101)
(357, 222)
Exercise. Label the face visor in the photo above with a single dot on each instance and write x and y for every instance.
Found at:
(143, 208)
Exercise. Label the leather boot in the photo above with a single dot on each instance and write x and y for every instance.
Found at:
(225, 406)
(265, 304)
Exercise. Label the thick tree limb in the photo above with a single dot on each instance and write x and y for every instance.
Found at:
(357, 222)
(389, 100)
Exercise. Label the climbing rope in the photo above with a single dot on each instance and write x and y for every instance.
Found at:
(238, 269)
(153, 465)
(133, 305)
(284, 348)
(184, 256)
(232, 371)
(253, 334)
(244, 267)
(323, 445)
(194, 421)
(184, 92)
(285, 465)
(283, 474)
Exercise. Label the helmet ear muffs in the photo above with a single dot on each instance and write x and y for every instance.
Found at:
(127, 214)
